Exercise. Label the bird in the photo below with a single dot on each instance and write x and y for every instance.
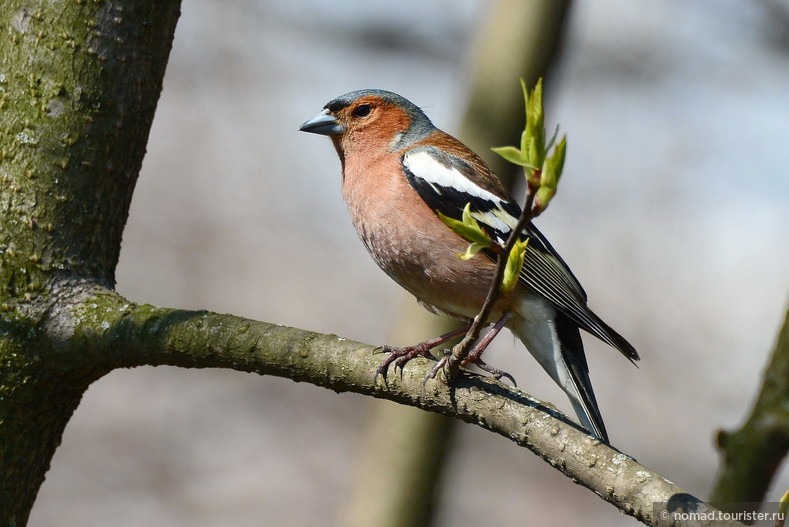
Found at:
(398, 173)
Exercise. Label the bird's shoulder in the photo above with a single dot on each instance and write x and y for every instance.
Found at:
(444, 156)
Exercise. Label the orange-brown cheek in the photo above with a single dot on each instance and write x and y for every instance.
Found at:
(377, 134)
(390, 123)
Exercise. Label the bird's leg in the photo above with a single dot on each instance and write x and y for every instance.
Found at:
(475, 354)
(400, 356)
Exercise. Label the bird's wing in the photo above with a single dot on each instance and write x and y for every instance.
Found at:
(447, 183)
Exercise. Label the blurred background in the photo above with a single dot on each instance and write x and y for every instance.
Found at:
(673, 213)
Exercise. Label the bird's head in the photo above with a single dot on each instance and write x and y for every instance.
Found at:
(370, 120)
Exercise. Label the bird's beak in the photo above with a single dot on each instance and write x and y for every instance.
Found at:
(323, 124)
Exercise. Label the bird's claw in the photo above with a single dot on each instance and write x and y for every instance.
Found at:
(400, 357)
(440, 363)
(495, 372)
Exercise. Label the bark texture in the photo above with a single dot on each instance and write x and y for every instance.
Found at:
(78, 88)
(753, 454)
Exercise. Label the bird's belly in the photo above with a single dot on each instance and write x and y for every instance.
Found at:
(427, 266)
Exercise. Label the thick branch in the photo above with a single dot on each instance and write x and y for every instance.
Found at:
(119, 334)
(752, 454)
(79, 84)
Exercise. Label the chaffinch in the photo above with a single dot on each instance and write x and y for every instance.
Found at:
(398, 172)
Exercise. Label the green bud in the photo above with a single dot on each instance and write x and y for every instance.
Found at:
(542, 198)
(542, 171)
(535, 122)
(512, 271)
(555, 163)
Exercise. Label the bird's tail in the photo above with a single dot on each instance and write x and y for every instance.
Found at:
(555, 341)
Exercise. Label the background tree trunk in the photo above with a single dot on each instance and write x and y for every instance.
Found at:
(520, 38)
(77, 104)
(752, 455)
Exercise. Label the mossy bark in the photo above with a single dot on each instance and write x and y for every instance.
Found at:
(79, 83)
(752, 455)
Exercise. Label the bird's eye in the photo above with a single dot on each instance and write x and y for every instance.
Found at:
(361, 110)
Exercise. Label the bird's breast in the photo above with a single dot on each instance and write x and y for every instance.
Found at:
(408, 241)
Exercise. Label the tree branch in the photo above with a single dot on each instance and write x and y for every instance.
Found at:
(752, 454)
(116, 333)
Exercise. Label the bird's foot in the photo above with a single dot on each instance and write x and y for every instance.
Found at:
(400, 357)
(475, 355)
(440, 363)
(495, 372)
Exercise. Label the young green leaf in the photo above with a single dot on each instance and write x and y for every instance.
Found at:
(511, 155)
(525, 90)
(472, 250)
(469, 229)
(534, 154)
(535, 123)
(514, 265)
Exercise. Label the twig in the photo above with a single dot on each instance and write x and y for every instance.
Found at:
(461, 350)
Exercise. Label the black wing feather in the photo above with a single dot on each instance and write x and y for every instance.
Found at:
(544, 271)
